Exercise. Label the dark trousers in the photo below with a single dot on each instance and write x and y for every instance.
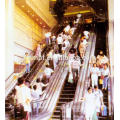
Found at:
(75, 75)
(60, 48)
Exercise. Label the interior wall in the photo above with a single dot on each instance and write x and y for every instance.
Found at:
(22, 34)
(111, 33)
(41, 7)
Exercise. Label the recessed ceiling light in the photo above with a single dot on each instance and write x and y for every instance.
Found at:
(23, 6)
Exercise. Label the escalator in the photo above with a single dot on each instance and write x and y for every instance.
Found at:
(105, 99)
(9, 101)
(67, 95)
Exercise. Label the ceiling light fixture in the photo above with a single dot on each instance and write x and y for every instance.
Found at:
(23, 6)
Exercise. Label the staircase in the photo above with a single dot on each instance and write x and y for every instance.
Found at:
(67, 95)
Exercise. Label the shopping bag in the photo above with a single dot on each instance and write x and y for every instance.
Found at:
(70, 78)
(104, 112)
(102, 108)
(100, 81)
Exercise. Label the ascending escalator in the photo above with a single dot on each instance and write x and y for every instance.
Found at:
(9, 101)
(67, 95)
(105, 99)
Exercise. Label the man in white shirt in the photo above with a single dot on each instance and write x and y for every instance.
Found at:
(76, 68)
(102, 59)
(40, 85)
(106, 73)
(60, 42)
(56, 57)
(48, 72)
(23, 97)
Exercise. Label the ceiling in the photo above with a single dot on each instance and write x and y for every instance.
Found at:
(29, 11)
(96, 8)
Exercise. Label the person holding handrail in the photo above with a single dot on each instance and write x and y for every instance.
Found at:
(23, 99)
(27, 62)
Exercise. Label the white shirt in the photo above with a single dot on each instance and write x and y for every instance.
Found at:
(59, 40)
(35, 94)
(48, 34)
(48, 71)
(89, 103)
(98, 95)
(104, 60)
(39, 87)
(105, 72)
(71, 56)
(76, 64)
(22, 94)
(94, 70)
(67, 43)
(86, 33)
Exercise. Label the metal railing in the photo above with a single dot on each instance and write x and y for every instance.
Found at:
(36, 107)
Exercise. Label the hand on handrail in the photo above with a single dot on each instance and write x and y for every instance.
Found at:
(35, 101)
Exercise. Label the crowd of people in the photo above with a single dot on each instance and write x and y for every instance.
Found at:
(99, 77)
(26, 94)
(99, 72)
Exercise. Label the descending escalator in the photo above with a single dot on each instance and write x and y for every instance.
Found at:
(67, 95)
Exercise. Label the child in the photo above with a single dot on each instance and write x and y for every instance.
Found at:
(27, 62)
